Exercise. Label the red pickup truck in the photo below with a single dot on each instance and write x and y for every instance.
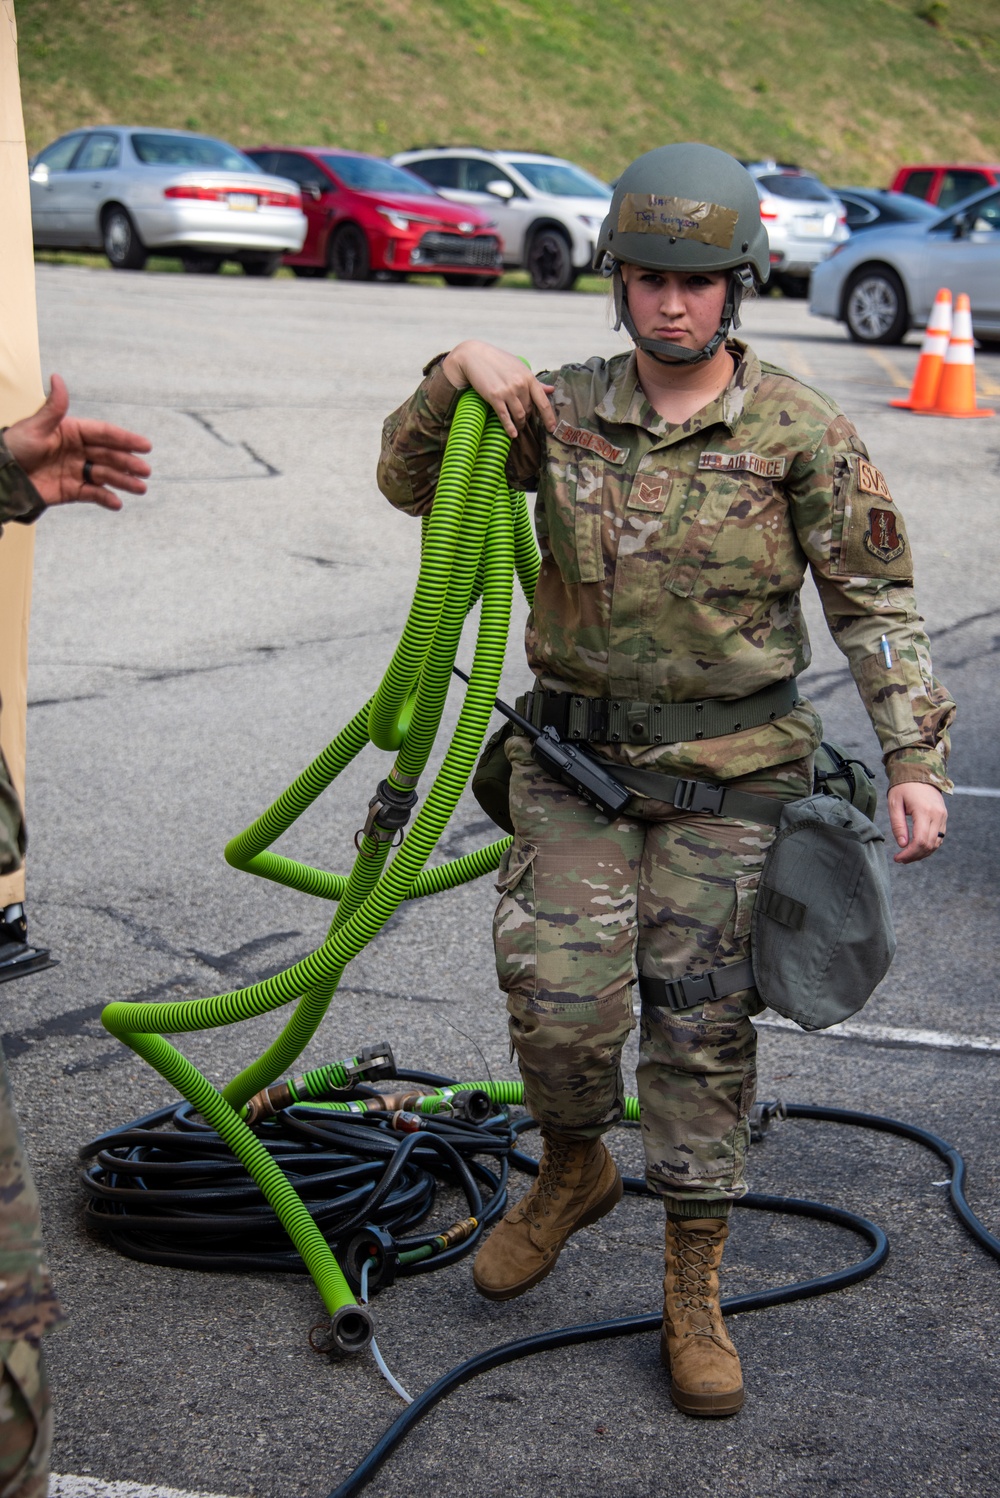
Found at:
(943, 185)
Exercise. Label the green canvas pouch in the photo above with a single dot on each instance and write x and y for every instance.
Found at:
(822, 936)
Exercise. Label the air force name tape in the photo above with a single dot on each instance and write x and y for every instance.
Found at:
(678, 218)
(764, 468)
(580, 437)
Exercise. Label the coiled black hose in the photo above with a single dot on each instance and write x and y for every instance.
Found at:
(626, 1326)
(166, 1189)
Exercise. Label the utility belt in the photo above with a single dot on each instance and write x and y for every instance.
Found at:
(619, 720)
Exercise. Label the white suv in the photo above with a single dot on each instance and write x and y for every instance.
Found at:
(548, 211)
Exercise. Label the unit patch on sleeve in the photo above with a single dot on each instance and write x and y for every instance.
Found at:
(874, 540)
(882, 538)
(581, 437)
(764, 468)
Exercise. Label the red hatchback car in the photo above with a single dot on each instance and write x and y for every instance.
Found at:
(367, 216)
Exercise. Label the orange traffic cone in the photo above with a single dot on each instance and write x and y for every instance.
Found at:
(931, 362)
(957, 391)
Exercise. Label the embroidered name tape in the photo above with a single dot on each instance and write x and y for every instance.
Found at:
(580, 437)
(678, 218)
(765, 468)
(870, 481)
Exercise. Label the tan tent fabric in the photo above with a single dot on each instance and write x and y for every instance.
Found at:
(20, 393)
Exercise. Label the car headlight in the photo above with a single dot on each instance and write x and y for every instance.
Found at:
(590, 221)
(397, 220)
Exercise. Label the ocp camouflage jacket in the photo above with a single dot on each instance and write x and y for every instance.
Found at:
(673, 556)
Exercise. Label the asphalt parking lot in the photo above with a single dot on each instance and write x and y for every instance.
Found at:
(189, 656)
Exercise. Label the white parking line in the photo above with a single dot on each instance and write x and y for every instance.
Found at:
(64, 1486)
(939, 1040)
(975, 790)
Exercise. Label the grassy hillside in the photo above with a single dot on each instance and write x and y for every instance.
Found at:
(848, 87)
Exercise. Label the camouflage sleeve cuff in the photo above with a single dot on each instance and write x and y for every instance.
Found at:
(918, 765)
(19, 499)
(441, 395)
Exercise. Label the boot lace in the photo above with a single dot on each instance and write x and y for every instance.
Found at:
(694, 1265)
(548, 1183)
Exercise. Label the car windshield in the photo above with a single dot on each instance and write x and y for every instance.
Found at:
(190, 150)
(369, 174)
(561, 180)
(789, 185)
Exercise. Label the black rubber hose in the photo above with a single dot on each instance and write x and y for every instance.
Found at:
(626, 1326)
(945, 1151)
(570, 1336)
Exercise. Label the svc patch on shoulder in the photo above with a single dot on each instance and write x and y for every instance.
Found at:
(870, 481)
(874, 540)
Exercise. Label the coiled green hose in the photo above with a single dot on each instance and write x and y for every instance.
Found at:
(476, 536)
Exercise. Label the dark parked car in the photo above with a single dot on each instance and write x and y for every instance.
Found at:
(367, 216)
(871, 208)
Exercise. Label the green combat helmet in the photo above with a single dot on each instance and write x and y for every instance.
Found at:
(684, 208)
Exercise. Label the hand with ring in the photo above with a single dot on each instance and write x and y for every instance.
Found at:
(68, 459)
(918, 816)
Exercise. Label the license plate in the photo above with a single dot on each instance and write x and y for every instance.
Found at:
(810, 225)
(245, 202)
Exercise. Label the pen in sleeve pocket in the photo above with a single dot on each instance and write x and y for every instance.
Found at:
(886, 652)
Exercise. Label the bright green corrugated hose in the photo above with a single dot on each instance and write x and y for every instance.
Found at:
(476, 536)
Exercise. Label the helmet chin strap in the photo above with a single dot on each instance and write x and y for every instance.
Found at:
(670, 353)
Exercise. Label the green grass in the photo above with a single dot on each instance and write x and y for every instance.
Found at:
(851, 88)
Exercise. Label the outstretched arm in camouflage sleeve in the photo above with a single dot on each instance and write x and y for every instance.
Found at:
(856, 543)
(414, 436)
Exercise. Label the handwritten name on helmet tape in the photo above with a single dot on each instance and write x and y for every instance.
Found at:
(764, 468)
(580, 437)
(678, 218)
(870, 481)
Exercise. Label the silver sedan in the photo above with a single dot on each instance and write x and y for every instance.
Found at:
(883, 282)
(135, 192)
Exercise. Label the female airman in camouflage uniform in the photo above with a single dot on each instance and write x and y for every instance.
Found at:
(683, 490)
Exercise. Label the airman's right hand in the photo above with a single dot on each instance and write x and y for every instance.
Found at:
(503, 381)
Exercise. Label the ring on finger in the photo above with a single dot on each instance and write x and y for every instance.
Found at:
(88, 472)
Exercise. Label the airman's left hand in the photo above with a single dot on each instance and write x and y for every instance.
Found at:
(918, 817)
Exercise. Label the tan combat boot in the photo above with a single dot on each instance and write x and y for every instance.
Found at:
(577, 1183)
(705, 1375)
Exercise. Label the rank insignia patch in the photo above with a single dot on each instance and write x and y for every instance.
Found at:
(649, 496)
(882, 538)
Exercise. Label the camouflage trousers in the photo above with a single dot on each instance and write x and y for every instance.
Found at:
(585, 904)
(25, 1421)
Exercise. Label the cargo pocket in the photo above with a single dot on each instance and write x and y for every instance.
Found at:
(746, 894)
(514, 920)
